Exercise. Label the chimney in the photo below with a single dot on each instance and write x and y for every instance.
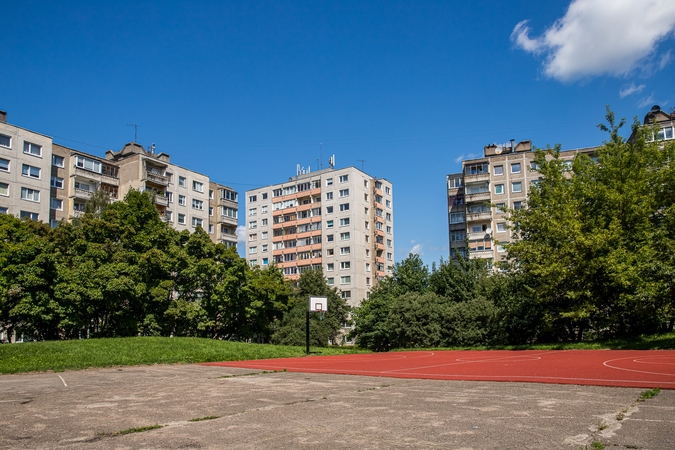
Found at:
(3, 116)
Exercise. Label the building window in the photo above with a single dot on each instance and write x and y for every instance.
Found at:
(457, 217)
(57, 182)
(329, 196)
(501, 207)
(344, 250)
(4, 165)
(344, 265)
(252, 211)
(197, 186)
(330, 281)
(264, 248)
(387, 190)
(181, 200)
(329, 181)
(197, 204)
(57, 204)
(330, 267)
(181, 219)
(29, 215)
(252, 198)
(210, 211)
(196, 222)
(329, 210)
(388, 242)
(344, 207)
(229, 212)
(253, 224)
(499, 188)
(501, 227)
(210, 229)
(344, 193)
(58, 161)
(387, 216)
(517, 187)
(345, 222)
(515, 168)
(346, 280)
(330, 252)
(390, 256)
(499, 170)
(181, 181)
(387, 203)
(264, 196)
(252, 237)
(344, 178)
(263, 235)
(30, 194)
(265, 261)
(252, 250)
(346, 295)
(53, 223)
(30, 171)
(344, 236)
(3, 210)
(263, 209)
(32, 149)
(4, 189)
(329, 224)
(5, 141)
(169, 216)
(517, 205)
(534, 166)
(264, 222)
(457, 236)
(329, 238)
(567, 166)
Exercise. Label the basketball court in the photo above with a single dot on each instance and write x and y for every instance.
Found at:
(620, 368)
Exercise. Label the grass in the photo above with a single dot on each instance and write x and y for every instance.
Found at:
(646, 395)
(199, 419)
(133, 430)
(664, 341)
(82, 354)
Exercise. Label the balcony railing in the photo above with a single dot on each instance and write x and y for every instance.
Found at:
(477, 197)
(83, 193)
(157, 178)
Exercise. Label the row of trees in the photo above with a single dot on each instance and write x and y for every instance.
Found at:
(122, 271)
(594, 256)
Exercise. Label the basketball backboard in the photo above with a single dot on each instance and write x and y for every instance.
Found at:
(318, 304)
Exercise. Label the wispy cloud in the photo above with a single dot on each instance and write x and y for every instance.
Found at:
(597, 37)
(459, 159)
(646, 101)
(241, 233)
(417, 250)
(630, 89)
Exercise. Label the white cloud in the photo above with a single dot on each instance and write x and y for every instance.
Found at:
(417, 250)
(241, 233)
(600, 37)
(646, 101)
(459, 159)
(629, 89)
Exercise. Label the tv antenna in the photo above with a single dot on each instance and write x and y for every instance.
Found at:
(321, 154)
(135, 130)
(362, 163)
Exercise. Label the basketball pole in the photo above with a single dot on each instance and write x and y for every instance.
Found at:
(307, 330)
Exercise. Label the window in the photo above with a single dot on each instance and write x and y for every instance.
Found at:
(252, 198)
(263, 209)
(479, 228)
(390, 256)
(252, 237)
(169, 196)
(88, 164)
(197, 186)
(4, 165)
(388, 242)
(252, 250)
(263, 235)
(4, 189)
(210, 194)
(228, 195)
(253, 224)
(330, 267)
(181, 200)
(499, 188)
(344, 193)
(197, 222)
(265, 261)
(344, 236)
(5, 141)
(84, 186)
(567, 166)
(32, 149)
(501, 227)
(264, 196)
(330, 281)
(30, 171)
(457, 236)
(387, 203)
(197, 204)
(252, 211)
(534, 166)
(53, 223)
(345, 280)
(30, 194)
(330, 252)
(181, 181)
(29, 215)
(344, 178)
(253, 262)
(457, 217)
(3, 210)
(499, 170)
(517, 205)
(515, 168)
(346, 295)
(57, 182)
(344, 250)
(388, 229)
(169, 216)
(329, 196)
(501, 206)
(387, 190)
(344, 207)
(264, 222)
(329, 181)
(56, 203)
(517, 187)
(344, 265)
(229, 212)
(58, 161)
(264, 248)
(454, 182)
(329, 238)
(210, 211)
(500, 248)
(329, 210)
(210, 229)
(345, 222)
(329, 224)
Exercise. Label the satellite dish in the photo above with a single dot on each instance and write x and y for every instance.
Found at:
(488, 231)
(498, 151)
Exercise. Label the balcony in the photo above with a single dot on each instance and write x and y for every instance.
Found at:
(156, 178)
(82, 193)
(481, 254)
(78, 213)
(107, 176)
(477, 197)
(479, 215)
(160, 198)
(476, 177)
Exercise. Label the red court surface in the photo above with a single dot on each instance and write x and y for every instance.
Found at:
(625, 368)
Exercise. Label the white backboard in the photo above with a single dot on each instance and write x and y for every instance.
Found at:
(318, 304)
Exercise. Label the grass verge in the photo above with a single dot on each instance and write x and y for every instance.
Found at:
(82, 354)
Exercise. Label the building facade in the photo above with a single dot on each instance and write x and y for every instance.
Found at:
(223, 214)
(478, 196)
(340, 220)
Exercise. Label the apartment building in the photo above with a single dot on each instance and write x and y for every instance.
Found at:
(223, 214)
(25, 170)
(477, 196)
(340, 220)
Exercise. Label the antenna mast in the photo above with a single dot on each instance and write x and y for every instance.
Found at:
(362, 163)
(321, 154)
(135, 130)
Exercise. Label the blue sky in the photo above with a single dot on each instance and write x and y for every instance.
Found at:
(244, 91)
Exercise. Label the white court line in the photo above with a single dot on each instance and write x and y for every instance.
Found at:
(64, 381)
(606, 364)
(465, 361)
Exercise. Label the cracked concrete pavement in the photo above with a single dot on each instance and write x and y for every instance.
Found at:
(282, 410)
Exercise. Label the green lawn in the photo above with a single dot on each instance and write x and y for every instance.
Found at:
(82, 354)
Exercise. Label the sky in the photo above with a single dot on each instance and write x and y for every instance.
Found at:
(245, 91)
